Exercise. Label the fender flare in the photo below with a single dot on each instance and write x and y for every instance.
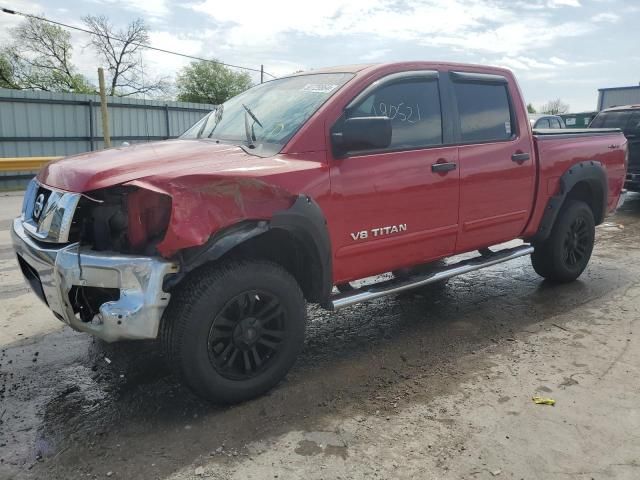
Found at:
(591, 172)
(304, 220)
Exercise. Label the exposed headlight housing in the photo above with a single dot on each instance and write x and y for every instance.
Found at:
(148, 216)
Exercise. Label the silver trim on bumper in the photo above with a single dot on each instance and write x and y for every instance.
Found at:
(135, 315)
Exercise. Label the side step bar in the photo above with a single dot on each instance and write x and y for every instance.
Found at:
(388, 287)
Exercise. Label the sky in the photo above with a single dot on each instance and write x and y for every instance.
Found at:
(563, 49)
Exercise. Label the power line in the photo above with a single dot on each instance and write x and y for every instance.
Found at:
(27, 15)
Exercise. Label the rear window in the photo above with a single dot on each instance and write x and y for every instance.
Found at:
(543, 123)
(484, 111)
(627, 120)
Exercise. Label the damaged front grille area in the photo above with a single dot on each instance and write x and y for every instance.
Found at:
(100, 220)
(86, 301)
(121, 219)
(47, 213)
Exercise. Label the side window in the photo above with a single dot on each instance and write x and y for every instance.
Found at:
(543, 123)
(414, 109)
(555, 123)
(484, 111)
(633, 125)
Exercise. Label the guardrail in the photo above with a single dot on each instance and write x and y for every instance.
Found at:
(23, 164)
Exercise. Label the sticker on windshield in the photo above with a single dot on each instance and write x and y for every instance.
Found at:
(319, 87)
(507, 128)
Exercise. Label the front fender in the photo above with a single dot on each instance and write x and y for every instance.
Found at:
(303, 220)
(202, 205)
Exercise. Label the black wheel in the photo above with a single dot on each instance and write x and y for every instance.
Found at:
(233, 331)
(566, 253)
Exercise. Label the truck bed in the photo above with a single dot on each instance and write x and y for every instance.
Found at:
(558, 149)
(573, 132)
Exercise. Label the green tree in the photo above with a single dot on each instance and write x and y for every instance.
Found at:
(6, 72)
(530, 108)
(207, 82)
(40, 58)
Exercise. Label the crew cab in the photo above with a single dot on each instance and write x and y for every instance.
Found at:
(627, 119)
(214, 242)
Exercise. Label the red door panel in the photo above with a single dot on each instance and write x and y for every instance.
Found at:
(394, 211)
(496, 193)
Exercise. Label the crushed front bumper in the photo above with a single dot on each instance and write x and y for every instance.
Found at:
(53, 270)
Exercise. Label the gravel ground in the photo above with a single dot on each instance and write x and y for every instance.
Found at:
(433, 384)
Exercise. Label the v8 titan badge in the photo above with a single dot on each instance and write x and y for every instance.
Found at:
(379, 232)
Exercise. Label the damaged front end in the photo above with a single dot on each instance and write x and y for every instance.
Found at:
(92, 258)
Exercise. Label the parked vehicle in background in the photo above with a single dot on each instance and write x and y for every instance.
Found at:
(578, 120)
(627, 119)
(214, 242)
(546, 121)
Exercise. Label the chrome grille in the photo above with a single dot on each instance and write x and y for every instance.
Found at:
(47, 213)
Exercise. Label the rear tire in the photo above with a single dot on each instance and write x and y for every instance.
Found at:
(565, 254)
(233, 331)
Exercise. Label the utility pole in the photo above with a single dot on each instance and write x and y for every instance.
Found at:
(261, 73)
(103, 108)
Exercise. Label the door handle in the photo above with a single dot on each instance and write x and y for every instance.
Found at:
(520, 157)
(443, 167)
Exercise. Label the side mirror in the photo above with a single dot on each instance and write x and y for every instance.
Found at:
(362, 133)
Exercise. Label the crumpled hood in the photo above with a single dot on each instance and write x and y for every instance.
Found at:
(169, 159)
(211, 186)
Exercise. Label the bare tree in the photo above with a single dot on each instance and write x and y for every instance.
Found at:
(555, 107)
(122, 52)
(40, 58)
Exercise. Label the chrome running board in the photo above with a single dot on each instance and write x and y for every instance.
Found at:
(369, 292)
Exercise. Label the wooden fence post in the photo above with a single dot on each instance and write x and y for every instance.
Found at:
(105, 112)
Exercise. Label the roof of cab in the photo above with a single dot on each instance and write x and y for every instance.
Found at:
(621, 107)
(356, 68)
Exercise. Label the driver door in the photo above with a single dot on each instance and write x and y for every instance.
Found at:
(397, 206)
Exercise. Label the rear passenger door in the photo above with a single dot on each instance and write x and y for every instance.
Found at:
(497, 169)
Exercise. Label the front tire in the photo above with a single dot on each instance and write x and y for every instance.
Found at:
(565, 254)
(233, 331)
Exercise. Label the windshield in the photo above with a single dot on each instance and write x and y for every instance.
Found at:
(266, 116)
(626, 120)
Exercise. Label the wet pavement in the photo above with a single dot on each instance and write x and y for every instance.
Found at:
(420, 385)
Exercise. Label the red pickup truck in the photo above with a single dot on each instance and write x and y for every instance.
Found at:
(214, 242)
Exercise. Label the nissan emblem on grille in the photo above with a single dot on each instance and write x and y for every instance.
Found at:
(38, 206)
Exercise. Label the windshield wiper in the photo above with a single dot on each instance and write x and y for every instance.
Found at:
(217, 116)
(255, 119)
(248, 129)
